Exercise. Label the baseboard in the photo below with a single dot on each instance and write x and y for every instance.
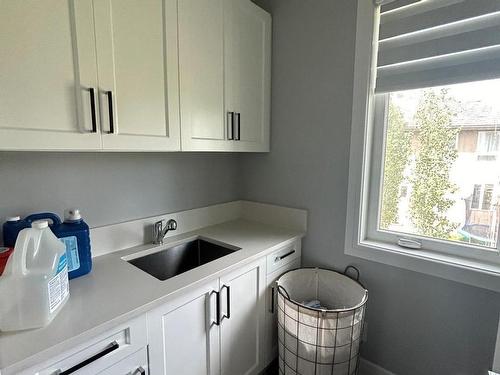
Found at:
(365, 368)
(369, 368)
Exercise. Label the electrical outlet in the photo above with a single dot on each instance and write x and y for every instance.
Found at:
(364, 336)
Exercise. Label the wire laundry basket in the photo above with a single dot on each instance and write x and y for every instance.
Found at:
(324, 339)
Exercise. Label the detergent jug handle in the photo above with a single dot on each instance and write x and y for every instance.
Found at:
(56, 220)
(18, 256)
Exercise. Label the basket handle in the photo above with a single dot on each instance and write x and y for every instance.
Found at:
(346, 272)
(284, 291)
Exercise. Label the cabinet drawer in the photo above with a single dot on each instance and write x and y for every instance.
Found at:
(98, 354)
(134, 364)
(283, 256)
(271, 282)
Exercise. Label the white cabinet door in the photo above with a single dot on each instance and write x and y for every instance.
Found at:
(248, 73)
(183, 336)
(201, 75)
(47, 67)
(138, 74)
(242, 328)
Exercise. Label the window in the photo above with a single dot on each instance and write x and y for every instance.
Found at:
(488, 142)
(425, 172)
(476, 196)
(485, 200)
(487, 197)
(419, 130)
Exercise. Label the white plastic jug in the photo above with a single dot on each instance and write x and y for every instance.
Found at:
(34, 285)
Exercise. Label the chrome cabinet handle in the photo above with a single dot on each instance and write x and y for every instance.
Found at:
(92, 110)
(110, 348)
(109, 94)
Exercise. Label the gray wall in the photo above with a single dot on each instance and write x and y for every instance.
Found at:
(114, 187)
(418, 324)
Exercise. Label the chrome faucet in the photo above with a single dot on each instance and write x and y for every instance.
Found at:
(159, 232)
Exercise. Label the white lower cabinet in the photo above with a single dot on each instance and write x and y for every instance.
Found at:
(280, 261)
(242, 332)
(215, 329)
(225, 326)
(122, 350)
(134, 364)
(183, 336)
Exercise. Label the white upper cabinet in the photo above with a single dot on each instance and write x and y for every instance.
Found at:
(225, 74)
(89, 75)
(248, 73)
(47, 69)
(201, 73)
(130, 75)
(138, 74)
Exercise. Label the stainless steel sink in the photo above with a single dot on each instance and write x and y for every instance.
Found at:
(178, 259)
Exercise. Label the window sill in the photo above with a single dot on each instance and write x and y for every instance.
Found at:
(466, 271)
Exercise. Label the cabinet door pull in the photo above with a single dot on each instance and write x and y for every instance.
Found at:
(271, 310)
(217, 307)
(228, 302)
(109, 94)
(278, 258)
(230, 126)
(238, 123)
(139, 371)
(110, 348)
(92, 110)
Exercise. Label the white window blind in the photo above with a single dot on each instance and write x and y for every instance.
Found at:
(437, 42)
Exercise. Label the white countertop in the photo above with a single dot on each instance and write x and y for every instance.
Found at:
(116, 291)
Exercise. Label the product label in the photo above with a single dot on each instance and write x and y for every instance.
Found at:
(59, 284)
(71, 244)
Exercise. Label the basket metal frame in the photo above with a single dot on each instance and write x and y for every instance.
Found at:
(322, 313)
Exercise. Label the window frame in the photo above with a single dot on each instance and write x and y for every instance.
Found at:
(465, 263)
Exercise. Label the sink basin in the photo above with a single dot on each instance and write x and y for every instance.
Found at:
(178, 259)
